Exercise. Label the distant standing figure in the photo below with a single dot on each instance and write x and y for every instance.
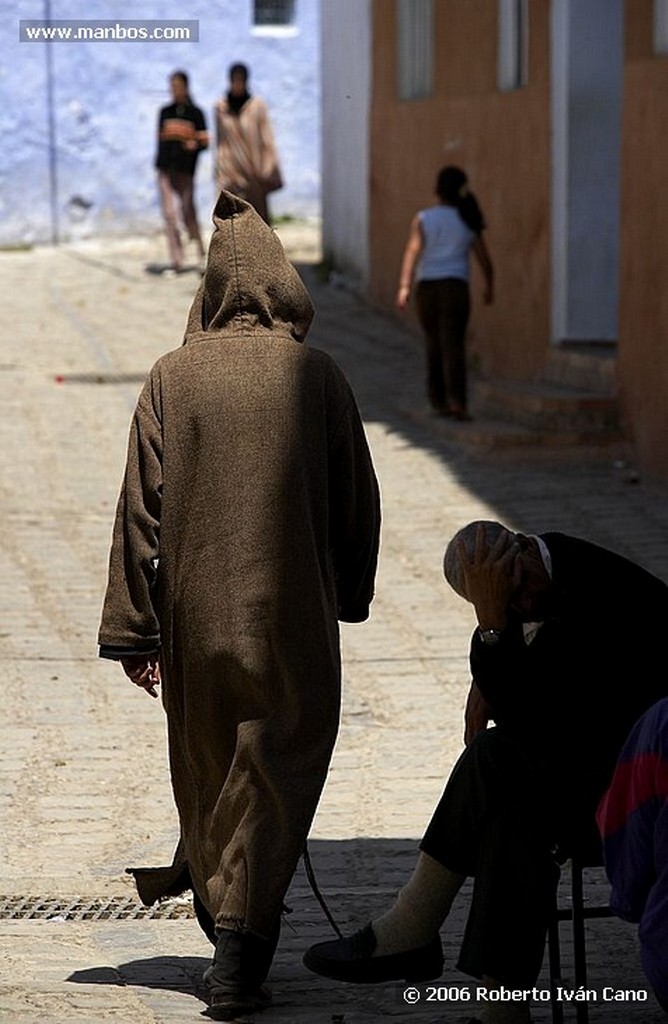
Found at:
(246, 158)
(182, 135)
(437, 254)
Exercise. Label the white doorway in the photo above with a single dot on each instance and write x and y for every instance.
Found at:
(587, 59)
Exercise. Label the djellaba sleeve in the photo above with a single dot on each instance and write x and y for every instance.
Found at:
(129, 622)
(354, 516)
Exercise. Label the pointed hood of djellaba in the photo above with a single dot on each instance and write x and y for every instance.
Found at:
(249, 283)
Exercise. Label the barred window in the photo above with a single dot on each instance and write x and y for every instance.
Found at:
(415, 48)
(513, 70)
(274, 12)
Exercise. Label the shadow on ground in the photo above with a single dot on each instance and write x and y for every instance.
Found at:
(358, 879)
(174, 973)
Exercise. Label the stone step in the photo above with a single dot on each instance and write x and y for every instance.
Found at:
(492, 435)
(592, 367)
(547, 408)
(483, 434)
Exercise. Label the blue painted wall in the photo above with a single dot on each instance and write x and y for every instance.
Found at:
(106, 96)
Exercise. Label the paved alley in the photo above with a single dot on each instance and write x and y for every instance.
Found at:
(84, 786)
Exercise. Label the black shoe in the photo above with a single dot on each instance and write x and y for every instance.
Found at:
(351, 960)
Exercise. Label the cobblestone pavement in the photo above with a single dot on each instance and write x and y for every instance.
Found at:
(84, 787)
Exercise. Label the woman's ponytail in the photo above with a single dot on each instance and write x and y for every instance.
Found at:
(452, 188)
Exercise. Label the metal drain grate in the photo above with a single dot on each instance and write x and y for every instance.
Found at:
(76, 908)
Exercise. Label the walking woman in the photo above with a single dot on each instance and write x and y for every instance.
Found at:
(437, 256)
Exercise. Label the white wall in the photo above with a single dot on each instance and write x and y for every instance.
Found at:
(346, 97)
(107, 95)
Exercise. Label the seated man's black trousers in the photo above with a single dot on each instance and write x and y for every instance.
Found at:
(492, 824)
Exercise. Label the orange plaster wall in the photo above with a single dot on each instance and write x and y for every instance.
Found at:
(502, 140)
(643, 320)
(638, 19)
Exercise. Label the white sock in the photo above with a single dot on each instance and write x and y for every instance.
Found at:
(420, 908)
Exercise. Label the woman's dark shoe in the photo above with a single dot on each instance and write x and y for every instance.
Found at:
(460, 414)
(351, 960)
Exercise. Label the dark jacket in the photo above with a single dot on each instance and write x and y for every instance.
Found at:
(633, 820)
(574, 692)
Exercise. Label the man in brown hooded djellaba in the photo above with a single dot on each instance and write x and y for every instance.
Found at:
(247, 525)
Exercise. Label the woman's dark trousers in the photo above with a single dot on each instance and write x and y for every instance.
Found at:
(443, 308)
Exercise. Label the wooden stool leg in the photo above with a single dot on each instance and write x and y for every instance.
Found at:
(579, 948)
(555, 967)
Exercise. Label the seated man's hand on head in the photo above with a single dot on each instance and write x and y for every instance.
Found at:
(490, 576)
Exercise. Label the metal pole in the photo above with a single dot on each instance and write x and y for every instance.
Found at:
(51, 114)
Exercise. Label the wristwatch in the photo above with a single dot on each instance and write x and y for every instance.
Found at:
(489, 636)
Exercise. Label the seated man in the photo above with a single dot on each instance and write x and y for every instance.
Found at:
(563, 661)
(633, 820)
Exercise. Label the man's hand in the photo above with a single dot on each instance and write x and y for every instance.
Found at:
(476, 715)
(491, 577)
(143, 670)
